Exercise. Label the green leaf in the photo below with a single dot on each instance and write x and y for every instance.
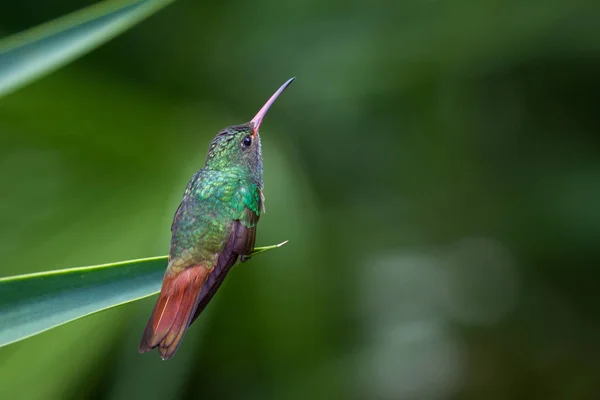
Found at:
(30, 304)
(29, 55)
(259, 250)
(33, 303)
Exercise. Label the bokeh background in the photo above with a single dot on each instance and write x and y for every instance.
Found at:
(435, 166)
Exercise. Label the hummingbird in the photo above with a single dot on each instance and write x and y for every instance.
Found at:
(213, 227)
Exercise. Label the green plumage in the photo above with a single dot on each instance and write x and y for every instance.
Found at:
(227, 189)
(214, 226)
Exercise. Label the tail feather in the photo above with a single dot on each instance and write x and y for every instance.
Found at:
(173, 311)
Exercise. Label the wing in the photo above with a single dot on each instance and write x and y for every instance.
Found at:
(190, 291)
(191, 282)
(241, 242)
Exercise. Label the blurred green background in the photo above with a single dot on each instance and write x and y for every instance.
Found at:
(435, 166)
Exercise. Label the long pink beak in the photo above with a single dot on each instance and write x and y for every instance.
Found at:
(256, 121)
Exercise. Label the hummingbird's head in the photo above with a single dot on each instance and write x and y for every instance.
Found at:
(237, 148)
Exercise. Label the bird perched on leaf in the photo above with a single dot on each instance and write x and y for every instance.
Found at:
(214, 226)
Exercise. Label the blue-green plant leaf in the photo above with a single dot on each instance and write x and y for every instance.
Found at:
(29, 55)
(33, 303)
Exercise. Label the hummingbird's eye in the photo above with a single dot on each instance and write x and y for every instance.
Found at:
(247, 141)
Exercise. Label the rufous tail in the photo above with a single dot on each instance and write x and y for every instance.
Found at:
(174, 310)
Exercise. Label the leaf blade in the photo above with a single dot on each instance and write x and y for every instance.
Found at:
(259, 250)
(34, 303)
(31, 304)
(29, 55)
